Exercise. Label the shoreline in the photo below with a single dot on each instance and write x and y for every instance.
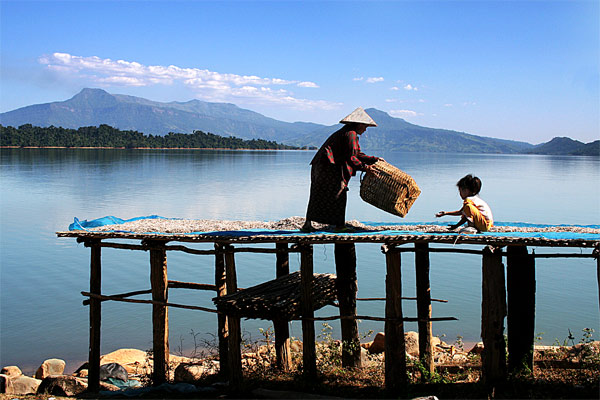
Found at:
(147, 148)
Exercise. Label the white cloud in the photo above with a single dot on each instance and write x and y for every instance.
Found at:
(209, 85)
(375, 79)
(404, 113)
(394, 88)
(408, 86)
(391, 100)
(447, 105)
(308, 84)
(360, 78)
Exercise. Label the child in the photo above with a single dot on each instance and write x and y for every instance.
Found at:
(475, 211)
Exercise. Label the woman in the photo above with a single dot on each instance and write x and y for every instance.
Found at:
(335, 163)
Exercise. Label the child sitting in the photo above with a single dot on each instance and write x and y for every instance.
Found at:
(475, 211)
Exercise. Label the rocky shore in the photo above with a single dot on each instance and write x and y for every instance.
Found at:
(130, 369)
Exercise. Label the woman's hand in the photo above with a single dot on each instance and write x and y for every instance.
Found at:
(440, 214)
(369, 169)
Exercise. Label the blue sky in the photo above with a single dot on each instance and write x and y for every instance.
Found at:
(514, 70)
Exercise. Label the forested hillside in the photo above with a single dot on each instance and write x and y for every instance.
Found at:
(107, 136)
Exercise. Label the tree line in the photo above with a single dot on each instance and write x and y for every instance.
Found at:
(106, 136)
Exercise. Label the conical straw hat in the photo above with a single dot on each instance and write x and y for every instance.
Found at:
(359, 116)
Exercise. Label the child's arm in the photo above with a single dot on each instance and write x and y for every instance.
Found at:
(442, 213)
(459, 223)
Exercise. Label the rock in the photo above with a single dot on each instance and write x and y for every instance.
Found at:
(124, 356)
(477, 348)
(67, 385)
(378, 344)
(190, 373)
(52, 366)
(113, 370)
(63, 385)
(23, 385)
(284, 394)
(11, 371)
(5, 384)
(133, 360)
(411, 342)
(296, 346)
(82, 373)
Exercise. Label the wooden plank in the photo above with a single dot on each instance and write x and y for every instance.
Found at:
(395, 354)
(283, 353)
(222, 332)
(520, 285)
(160, 315)
(309, 355)
(493, 311)
(95, 318)
(347, 287)
(424, 306)
(233, 325)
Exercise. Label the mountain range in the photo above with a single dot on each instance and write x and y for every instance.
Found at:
(92, 107)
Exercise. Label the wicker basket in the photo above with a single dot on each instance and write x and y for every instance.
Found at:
(392, 190)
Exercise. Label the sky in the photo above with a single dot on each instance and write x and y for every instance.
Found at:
(519, 70)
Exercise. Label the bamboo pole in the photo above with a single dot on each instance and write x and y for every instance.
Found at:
(282, 332)
(222, 333)
(493, 311)
(233, 324)
(520, 285)
(153, 302)
(346, 285)
(424, 305)
(95, 318)
(160, 315)
(308, 326)
(395, 353)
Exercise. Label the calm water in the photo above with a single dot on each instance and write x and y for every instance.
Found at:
(41, 276)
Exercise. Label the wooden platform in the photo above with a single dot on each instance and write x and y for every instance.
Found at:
(506, 292)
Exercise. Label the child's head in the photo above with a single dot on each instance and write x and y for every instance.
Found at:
(469, 186)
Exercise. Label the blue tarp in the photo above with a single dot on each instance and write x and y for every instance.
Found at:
(111, 220)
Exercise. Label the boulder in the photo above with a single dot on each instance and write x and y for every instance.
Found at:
(190, 373)
(63, 385)
(477, 348)
(11, 371)
(133, 360)
(378, 344)
(411, 343)
(5, 384)
(52, 366)
(23, 385)
(125, 356)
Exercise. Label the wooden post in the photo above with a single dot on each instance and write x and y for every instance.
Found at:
(424, 305)
(233, 324)
(223, 335)
(160, 314)
(309, 355)
(282, 332)
(493, 311)
(346, 285)
(395, 352)
(520, 284)
(95, 318)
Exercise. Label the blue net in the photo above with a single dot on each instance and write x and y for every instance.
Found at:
(86, 225)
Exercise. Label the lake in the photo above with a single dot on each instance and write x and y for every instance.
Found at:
(41, 276)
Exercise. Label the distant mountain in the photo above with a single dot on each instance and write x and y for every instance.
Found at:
(397, 134)
(93, 107)
(567, 146)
